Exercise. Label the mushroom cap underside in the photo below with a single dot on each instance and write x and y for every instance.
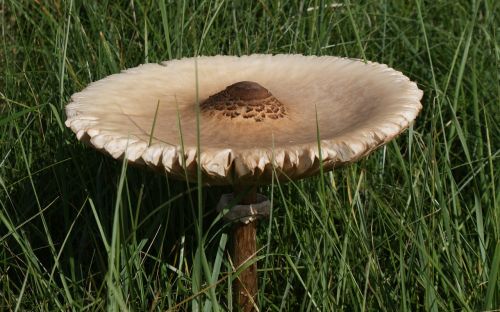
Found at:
(335, 110)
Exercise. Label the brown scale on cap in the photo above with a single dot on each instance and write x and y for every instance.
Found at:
(245, 100)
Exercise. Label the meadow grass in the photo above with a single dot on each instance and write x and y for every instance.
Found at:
(414, 226)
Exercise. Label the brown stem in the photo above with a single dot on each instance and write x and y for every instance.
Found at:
(244, 248)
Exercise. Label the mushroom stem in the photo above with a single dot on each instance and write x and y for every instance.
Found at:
(244, 248)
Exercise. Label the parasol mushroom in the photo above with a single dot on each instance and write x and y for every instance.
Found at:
(258, 114)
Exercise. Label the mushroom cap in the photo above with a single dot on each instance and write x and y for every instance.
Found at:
(337, 110)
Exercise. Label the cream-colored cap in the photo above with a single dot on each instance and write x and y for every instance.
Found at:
(345, 106)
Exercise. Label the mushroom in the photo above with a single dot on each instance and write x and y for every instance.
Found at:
(259, 117)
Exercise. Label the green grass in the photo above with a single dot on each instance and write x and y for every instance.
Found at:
(414, 226)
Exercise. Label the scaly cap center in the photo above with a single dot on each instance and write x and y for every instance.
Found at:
(245, 100)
